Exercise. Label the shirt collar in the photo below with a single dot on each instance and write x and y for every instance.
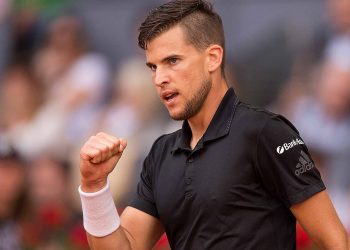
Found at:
(218, 127)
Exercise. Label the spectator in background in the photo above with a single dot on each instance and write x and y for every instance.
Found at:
(76, 78)
(12, 186)
(70, 80)
(51, 222)
(307, 61)
(4, 33)
(339, 13)
(20, 99)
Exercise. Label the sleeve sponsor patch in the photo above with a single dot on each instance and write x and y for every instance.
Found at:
(288, 145)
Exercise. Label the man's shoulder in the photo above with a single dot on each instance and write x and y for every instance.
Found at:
(255, 111)
(258, 117)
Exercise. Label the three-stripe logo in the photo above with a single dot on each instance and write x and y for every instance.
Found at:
(305, 164)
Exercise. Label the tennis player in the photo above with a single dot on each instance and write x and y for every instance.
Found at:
(234, 177)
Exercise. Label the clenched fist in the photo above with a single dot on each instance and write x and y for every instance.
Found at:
(98, 157)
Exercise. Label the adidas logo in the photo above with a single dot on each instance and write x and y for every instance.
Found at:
(305, 164)
(286, 146)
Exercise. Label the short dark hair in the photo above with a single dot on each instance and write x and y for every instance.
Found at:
(202, 26)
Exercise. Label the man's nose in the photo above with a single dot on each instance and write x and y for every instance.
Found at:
(161, 77)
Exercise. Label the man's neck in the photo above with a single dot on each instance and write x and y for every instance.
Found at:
(200, 122)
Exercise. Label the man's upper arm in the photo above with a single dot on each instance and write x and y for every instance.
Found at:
(142, 229)
(320, 220)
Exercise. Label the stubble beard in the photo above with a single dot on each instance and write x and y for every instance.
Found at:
(193, 106)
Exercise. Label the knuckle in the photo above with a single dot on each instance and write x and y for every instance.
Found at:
(110, 146)
(116, 143)
(82, 155)
(91, 140)
(84, 151)
(100, 134)
(104, 148)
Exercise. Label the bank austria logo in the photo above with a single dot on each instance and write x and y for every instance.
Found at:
(288, 145)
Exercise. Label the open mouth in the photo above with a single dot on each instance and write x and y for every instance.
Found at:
(168, 96)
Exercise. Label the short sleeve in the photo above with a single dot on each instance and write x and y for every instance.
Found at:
(284, 163)
(144, 196)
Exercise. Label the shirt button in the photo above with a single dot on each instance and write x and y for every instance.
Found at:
(190, 160)
(188, 194)
(188, 180)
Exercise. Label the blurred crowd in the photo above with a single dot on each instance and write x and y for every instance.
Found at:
(57, 89)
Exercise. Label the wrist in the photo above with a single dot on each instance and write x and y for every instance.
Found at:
(92, 186)
(100, 215)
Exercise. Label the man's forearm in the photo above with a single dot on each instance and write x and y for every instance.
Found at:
(340, 241)
(102, 221)
(117, 240)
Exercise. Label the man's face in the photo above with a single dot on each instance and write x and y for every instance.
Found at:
(178, 73)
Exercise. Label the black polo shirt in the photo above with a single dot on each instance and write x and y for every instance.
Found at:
(235, 188)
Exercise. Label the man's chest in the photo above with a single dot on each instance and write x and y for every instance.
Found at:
(217, 177)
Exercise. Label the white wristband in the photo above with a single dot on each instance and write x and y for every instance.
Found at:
(99, 212)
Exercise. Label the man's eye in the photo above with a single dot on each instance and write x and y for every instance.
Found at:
(173, 60)
(153, 67)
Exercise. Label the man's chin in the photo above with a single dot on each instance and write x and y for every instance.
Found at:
(177, 116)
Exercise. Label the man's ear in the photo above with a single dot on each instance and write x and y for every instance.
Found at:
(214, 54)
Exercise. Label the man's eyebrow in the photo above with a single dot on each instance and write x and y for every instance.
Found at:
(165, 59)
(148, 64)
(169, 57)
